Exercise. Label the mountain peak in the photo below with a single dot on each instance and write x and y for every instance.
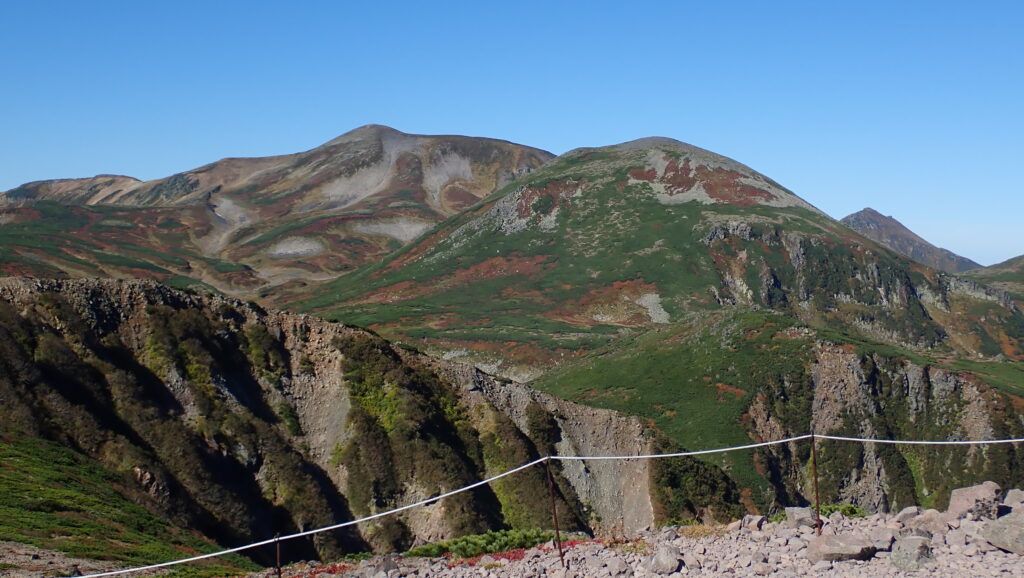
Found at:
(896, 236)
(374, 131)
(677, 172)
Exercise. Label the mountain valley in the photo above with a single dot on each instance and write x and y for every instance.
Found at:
(429, 311)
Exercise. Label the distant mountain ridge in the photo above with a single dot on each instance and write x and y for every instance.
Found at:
(893, 234)
(1008, 276)
(653, 278)
(242, 225)
(636, 235)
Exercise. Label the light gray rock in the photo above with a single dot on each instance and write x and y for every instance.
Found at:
(797, 517)
(907, 514)
(665, 560)
(882, 538)
(957, 537)
(1007, 532)
(753, 522)
(911, 553)
(1014, 499)
(822, 566)
(839, 548)
(762, 569)
(692, 562)
(976, 502)
(617, 566)
(930, 520)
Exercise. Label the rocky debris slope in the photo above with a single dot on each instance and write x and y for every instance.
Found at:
(981, 534)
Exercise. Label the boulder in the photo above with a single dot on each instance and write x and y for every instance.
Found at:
(839, 548)
(976, 502)
(617, 566)
(907, 514)
(882, 538)
(753, 522)
(1014, 500)
(911, 552)
(930, 520)
(1007, 533)
(797, 517)
(665, 560)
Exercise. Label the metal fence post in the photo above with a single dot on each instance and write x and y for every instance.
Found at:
(814, 472)
(554, 513)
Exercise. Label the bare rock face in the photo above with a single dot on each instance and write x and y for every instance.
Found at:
(275, 402)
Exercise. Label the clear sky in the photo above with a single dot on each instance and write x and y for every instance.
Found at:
(913, 108)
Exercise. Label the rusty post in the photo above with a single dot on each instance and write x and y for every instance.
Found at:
(554, 513)
(814, 472)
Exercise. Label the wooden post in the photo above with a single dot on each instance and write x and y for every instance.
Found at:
(277, 546)
(554, 514)
(814, 472)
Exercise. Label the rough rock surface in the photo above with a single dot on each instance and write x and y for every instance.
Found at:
(911, 552)
(1007, 533)
(979, 501)
(765, 549)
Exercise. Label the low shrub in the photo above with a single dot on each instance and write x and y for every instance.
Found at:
(489, 543)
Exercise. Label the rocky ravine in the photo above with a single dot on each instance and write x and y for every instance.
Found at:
(240, 422)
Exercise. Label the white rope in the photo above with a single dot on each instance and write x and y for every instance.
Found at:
(683, 454)
(922, 442)
(533, 463)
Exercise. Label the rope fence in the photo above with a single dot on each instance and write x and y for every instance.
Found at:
(428, 501)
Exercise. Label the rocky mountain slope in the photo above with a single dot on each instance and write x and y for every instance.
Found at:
(240, 423)
(724, 378)
(894, 235)
(601, 242)
(651, 278)
(668, 282)
(244, 224)
(1008, 276)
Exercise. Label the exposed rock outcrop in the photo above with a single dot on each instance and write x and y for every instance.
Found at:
(242, 422)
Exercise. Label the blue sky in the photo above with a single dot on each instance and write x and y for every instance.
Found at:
(912, 108)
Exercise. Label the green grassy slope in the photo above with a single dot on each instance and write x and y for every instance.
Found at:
(61, 500)
(598, 243)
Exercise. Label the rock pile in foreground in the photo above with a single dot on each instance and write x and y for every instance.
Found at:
(981, 534)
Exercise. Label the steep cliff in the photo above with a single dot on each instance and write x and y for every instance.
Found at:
(871, 395)
(242, 423)
(727, 378)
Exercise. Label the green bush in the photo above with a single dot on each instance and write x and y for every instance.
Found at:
(489, 543)
(848, 510)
